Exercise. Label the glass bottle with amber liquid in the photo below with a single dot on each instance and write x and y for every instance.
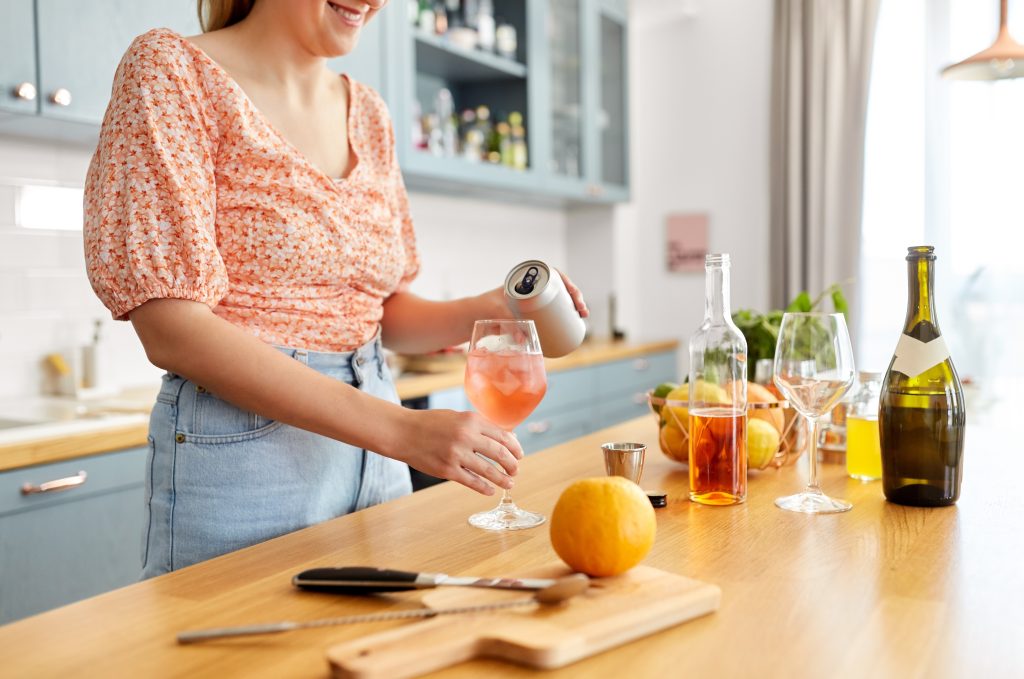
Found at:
(718, 397)
(921, 415)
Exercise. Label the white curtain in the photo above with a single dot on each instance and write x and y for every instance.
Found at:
(820, 73)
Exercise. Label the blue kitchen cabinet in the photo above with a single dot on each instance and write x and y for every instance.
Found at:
(606, 97)
(18, 90)
(567, 78)
(81, 43)
(60, 546)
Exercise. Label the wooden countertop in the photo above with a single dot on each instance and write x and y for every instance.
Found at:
(592, 352)
(57, 446)
(882, 590)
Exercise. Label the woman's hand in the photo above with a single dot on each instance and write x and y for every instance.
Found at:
(494, 300)
(577, 296)
(413, 325)
(446, 443)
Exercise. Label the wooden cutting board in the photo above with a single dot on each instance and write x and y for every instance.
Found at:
(612, 612)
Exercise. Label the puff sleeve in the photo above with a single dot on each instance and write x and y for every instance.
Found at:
(150, 193)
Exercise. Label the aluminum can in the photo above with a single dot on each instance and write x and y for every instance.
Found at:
(535, 291)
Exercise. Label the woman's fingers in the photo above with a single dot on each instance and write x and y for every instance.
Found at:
(472, 481)
(498, 453)
(483, 468)
(576, 295)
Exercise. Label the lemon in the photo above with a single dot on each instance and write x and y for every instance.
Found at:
(603, 526)
(762, 441)
(704, 391)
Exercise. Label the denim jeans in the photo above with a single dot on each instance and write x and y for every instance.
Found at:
(220, 478)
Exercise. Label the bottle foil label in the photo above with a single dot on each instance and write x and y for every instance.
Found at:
(913, 356)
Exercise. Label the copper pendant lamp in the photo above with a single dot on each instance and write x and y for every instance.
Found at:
(1004, 59)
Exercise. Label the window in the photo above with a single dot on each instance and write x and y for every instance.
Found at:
(944, 166)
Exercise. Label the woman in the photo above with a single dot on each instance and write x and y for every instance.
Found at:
(246, 212)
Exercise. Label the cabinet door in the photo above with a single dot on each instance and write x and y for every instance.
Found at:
(17, 58)
(81, 42)
(367, 61)
(562, 81)
(56, 548)
(606, 93)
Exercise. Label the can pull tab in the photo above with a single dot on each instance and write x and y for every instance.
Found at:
(525, 286)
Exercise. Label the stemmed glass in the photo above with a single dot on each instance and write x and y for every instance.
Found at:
(813, 369)
(505, 380)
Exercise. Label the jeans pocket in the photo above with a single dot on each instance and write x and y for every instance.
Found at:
(215, 420)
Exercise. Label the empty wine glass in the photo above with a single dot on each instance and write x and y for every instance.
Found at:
(505, 380)
(813, 369)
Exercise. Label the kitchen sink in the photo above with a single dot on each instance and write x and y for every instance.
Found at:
(11, 424)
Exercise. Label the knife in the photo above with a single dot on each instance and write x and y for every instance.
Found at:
(364, 580)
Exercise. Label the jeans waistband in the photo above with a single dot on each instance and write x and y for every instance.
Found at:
(357, 361)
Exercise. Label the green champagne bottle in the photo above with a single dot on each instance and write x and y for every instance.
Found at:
(921, 415)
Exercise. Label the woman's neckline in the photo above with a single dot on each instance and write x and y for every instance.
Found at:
(351, 105)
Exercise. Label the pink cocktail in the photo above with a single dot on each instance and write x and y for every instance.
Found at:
(505, 386)
(505, 380)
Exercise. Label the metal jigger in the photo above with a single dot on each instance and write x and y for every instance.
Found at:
(624, 459)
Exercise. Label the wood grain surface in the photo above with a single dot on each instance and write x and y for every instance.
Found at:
(882, 590)
(613, 611)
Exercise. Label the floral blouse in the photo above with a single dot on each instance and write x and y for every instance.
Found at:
(193, 195)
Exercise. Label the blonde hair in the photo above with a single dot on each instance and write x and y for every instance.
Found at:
(217, 14)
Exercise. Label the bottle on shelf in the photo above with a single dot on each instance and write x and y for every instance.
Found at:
(484, 125)
(504, 143)
(426, 19)
(921, 415)
(444, 107)
(440, 17)
(506, 41)
(519, 149)
(718, 396)
(485, 25)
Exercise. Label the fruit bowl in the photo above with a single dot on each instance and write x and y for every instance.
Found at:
(789, 428)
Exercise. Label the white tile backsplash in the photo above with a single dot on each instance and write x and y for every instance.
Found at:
(46, 304)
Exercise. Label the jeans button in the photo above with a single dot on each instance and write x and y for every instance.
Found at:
(360, 360)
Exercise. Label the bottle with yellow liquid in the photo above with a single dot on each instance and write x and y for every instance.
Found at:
(863, 452)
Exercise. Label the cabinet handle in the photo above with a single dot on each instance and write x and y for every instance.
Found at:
(55, 485)
(641, 364)
(595, 190)
(640, 398)
(538, 427)
(61, 97)
(25, 91)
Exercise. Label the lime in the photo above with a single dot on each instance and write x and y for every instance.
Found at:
(661, 391)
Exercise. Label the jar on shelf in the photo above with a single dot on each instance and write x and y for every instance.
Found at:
(863, 452)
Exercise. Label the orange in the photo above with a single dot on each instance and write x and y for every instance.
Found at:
(602, 526)
(773, 416)
(673, 442)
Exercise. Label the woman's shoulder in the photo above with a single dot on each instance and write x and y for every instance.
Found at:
(161, 51)
(370, 104)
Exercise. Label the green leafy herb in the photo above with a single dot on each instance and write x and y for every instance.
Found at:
(762, 330)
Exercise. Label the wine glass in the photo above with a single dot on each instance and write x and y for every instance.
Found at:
(813, 369)
(505, 380)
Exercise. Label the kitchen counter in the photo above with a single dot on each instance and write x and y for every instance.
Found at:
(592, 352)
(882, 590)
(67, 440)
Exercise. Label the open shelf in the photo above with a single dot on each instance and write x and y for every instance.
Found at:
(436, 56)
